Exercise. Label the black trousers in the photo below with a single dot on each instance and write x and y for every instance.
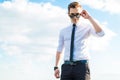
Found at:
(80, 71)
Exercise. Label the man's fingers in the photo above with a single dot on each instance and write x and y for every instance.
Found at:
(83, 13)
(57, 74)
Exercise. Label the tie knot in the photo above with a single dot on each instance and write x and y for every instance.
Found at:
(74, 25)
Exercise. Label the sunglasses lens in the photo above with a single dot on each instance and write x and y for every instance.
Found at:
(75, 15)
(71, 16)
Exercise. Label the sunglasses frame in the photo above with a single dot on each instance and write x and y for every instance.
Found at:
(72, 15)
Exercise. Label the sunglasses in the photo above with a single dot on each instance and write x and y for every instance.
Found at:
(72, 15)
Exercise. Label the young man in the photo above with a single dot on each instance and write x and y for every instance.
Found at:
(74, 39)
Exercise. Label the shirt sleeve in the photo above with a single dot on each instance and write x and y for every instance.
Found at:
(94, 33)
(60, 42)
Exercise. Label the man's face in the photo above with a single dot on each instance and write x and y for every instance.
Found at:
(74, 14)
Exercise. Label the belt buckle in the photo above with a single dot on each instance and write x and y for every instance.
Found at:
(72, 63)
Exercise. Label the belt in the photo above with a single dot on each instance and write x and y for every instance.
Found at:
(76, 62)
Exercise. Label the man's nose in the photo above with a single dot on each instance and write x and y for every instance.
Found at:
(74, 17)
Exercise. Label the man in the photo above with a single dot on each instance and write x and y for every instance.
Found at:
(74, 39)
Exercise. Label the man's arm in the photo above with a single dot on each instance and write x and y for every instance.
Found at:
(58, 55)
(57, 72)
(95, 25)
(85, 15)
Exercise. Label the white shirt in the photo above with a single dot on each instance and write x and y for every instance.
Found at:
(82, 32)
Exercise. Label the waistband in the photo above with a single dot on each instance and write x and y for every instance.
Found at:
(76, 62)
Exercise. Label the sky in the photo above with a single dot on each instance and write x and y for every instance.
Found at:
(29, 32)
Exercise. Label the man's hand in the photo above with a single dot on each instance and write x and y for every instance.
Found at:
(57, 73)
(85, 14)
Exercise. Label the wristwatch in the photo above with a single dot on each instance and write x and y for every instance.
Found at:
(55, 68)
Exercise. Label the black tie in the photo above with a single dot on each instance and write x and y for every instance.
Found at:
(72, 43)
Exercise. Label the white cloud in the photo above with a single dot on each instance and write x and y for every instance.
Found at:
(29, 38)
(30, 26)
(111, 6)
(11, 50)
(99, 44)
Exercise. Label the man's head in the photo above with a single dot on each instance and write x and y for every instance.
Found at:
(74, 10)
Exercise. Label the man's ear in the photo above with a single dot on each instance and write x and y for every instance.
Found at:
(68, 13)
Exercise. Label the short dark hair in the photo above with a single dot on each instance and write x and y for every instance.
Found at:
(73, 5)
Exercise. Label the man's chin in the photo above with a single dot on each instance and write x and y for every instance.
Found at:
(75, 22)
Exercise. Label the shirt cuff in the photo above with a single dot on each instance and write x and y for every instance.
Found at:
(100, 34)
(59, 50)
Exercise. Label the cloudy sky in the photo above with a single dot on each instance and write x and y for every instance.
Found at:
(29, 34)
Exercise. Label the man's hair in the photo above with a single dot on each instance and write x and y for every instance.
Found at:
(73, 5)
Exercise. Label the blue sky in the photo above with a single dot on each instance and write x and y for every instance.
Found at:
(29, 33)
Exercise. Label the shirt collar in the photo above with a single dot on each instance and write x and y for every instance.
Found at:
(77, 24)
